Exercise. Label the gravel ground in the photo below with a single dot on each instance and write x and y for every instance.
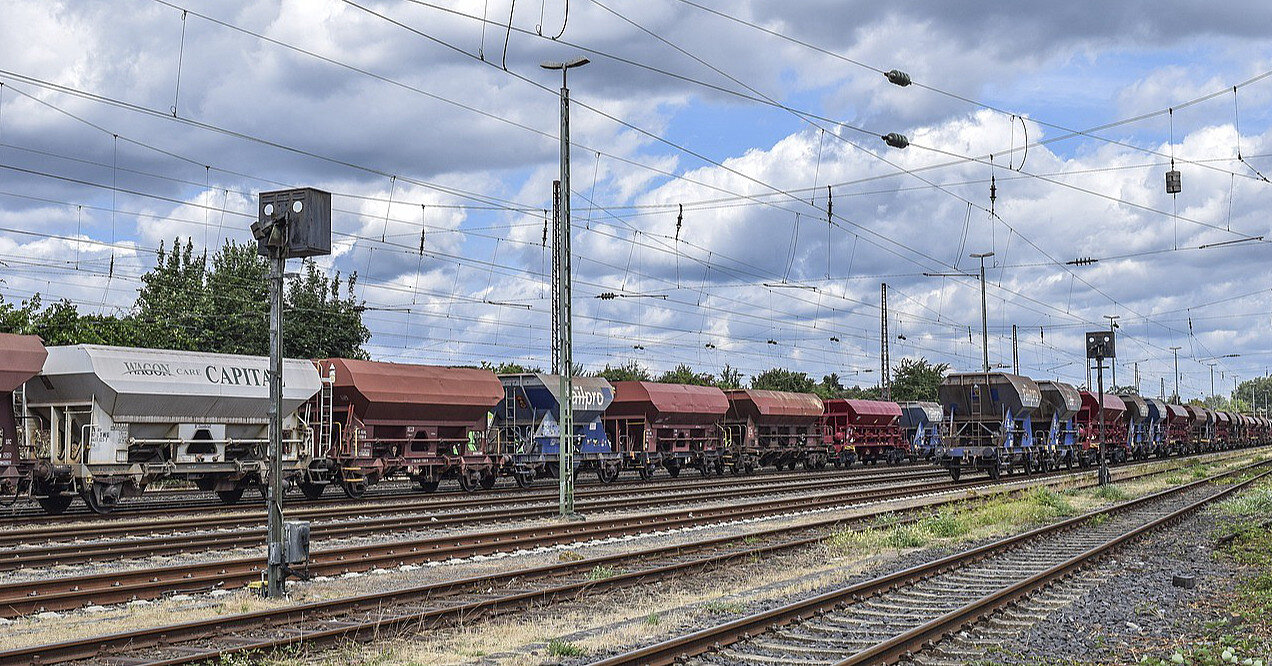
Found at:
(1133, 609)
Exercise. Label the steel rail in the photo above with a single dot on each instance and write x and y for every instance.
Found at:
(173, 502)
(25, 558)
(695, 643)
(499, 506)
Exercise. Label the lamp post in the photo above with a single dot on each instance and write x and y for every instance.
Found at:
(563, 340)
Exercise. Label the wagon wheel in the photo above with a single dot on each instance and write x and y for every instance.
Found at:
(523, 479)
(354, 489)
(646, 472)
(607, 473)
(673, 470)
(312, 490)
(488, 480)
(54, 504)
(429, 485)
(994, 472)
(955, 473)
(102, 497)
(230, 496)
(470, 481)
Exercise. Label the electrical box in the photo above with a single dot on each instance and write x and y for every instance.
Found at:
(295, 542)
(1100, 344)
(296, 221)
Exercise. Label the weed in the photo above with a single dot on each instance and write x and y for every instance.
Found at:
(1174, 480)
(1111, 493)
(603, 571)
(751, 540)
(1257, 502)
(1098, 519)
(653, 619)
(906, 536)
(560, 648)
(724, 607)
(568, 556)
(944, 526)
(1050, 499)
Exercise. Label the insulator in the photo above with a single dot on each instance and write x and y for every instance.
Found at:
(898, 77)
(896, 140)
(1174, 182)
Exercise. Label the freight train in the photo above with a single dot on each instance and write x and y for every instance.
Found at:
(106, 423)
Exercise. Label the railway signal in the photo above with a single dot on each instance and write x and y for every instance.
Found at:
(290, 223)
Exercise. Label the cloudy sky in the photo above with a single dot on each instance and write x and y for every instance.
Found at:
(729, 179)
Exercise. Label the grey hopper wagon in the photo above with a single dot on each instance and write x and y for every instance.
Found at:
(115, 419)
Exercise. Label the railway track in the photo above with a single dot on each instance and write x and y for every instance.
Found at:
(425, 606)
(898, 615)
(389, 519)
(193, 502)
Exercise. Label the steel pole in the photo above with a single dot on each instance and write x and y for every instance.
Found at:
(566, 455)
(1175, 351)
(984, 319)
(1104, 463)
(275, 585)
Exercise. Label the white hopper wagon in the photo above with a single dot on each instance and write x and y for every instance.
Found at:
(113, 420)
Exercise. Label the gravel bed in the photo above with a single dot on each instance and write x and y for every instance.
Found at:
(1134, 608)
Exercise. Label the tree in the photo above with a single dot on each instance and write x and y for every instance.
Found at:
(917, 380)
(236, 320)
(781, 379)
(730, 378)
(859, 393)
(506, 368)
(172, 303)
(683, 374)
(1256, 393)
(1124, 390)
(627, 372)
(320, 323)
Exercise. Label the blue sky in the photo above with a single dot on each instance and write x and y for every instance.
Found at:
(412, 132)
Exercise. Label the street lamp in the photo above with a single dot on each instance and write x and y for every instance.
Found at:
(563, 341)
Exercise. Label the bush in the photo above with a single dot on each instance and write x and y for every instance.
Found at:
(560, 648)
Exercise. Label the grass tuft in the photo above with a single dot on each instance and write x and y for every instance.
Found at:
(1111, 493)
(560, 648)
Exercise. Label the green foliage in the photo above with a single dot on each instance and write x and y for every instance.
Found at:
(1257, 502)
(560, 648)
(1111, 493)
(631, 371)
(506, 368)
(187, 302)
(683, 374)
(602, 571)
(730, 378)
(781, 379)
(1053, 500)
(724, 607)
(917, 379)
(320, 322)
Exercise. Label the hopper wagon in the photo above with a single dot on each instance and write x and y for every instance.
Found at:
(526, 430)
(381, 419)
(990, 424)
(777, 428)
(865, 430)
(21, 358)
(1058, 412)
(921, 424)
(115, 420)
(1202, 431)
(1158, 427)
(1223, 431)
(673, 426)
(1139, 444)
(1113, 410)
(1179, 429)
